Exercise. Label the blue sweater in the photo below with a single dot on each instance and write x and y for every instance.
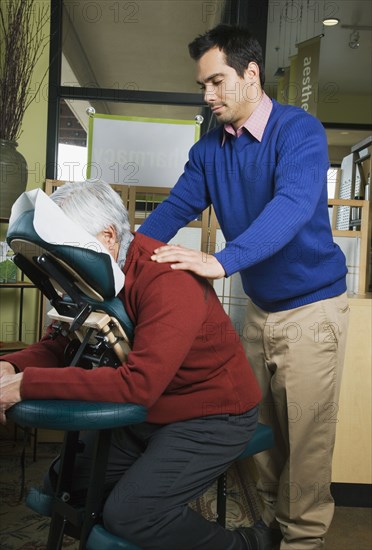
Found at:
(270, 198)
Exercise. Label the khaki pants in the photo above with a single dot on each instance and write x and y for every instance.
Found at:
(297, 356)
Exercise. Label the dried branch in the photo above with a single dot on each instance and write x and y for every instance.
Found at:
(23, 39)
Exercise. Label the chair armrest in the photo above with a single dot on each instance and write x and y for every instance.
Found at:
(75, 415)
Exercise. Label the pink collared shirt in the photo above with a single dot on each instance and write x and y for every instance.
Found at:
(256, 123)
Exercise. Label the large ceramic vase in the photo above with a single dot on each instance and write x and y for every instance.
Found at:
(13, 175)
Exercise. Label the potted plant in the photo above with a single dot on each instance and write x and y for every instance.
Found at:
(22, 42)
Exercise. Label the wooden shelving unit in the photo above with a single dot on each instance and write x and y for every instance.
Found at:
(363, 233)
(359, 227)
(21, 286)
(352, 456)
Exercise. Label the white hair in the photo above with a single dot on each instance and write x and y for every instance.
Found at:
(94, 205)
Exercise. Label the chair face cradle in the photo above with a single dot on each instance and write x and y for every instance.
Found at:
(78, 283)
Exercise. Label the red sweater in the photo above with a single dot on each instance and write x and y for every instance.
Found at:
(187, 360)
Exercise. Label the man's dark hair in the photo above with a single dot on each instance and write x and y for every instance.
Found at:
(237, 43)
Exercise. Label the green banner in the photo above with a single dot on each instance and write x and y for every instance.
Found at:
(307, 75)
(292, 84)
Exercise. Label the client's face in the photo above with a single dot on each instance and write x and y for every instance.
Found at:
(101, 238)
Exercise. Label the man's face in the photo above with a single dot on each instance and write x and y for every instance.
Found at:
(231, 98)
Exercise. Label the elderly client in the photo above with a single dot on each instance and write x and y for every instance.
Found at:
(187, 366)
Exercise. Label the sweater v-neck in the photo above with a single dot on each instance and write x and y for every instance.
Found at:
(239, 143)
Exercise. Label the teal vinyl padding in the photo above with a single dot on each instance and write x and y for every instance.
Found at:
(40, 502)
(262, 439)
(99, 539)
(94, 268)
(67, 415)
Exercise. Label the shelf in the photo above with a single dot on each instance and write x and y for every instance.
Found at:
(362, 144)
(346, 233)
(18, 284)
(7, 347)
(366, 296)
(360, 160)
(348, 202)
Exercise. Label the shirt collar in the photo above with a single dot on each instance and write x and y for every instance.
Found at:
(256, 122)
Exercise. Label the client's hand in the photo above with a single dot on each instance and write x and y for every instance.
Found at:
(10, 392)
(6, 368)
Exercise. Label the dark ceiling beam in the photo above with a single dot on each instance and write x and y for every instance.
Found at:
(252, 14)
(132, 96)
(55, 66)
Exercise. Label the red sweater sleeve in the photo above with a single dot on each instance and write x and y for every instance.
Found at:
(46, 353)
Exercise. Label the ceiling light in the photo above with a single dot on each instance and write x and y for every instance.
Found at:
(330, 21)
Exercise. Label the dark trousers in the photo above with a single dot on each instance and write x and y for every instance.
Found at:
(155, 471)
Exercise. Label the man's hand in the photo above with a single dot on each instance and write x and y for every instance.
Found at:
(198, 262)
(10, 392)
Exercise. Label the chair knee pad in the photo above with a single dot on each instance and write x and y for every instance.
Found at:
(100, 538)
(39, 501)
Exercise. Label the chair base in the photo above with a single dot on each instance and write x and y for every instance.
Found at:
(79, 520)
(98, 538)
(101, 417)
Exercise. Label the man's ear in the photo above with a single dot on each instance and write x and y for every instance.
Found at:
(252, 72)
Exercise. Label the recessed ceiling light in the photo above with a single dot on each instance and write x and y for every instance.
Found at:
(330, 21)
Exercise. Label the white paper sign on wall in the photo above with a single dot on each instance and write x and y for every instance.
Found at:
(139, 151)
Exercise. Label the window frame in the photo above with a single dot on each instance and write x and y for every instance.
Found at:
(242, 12)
